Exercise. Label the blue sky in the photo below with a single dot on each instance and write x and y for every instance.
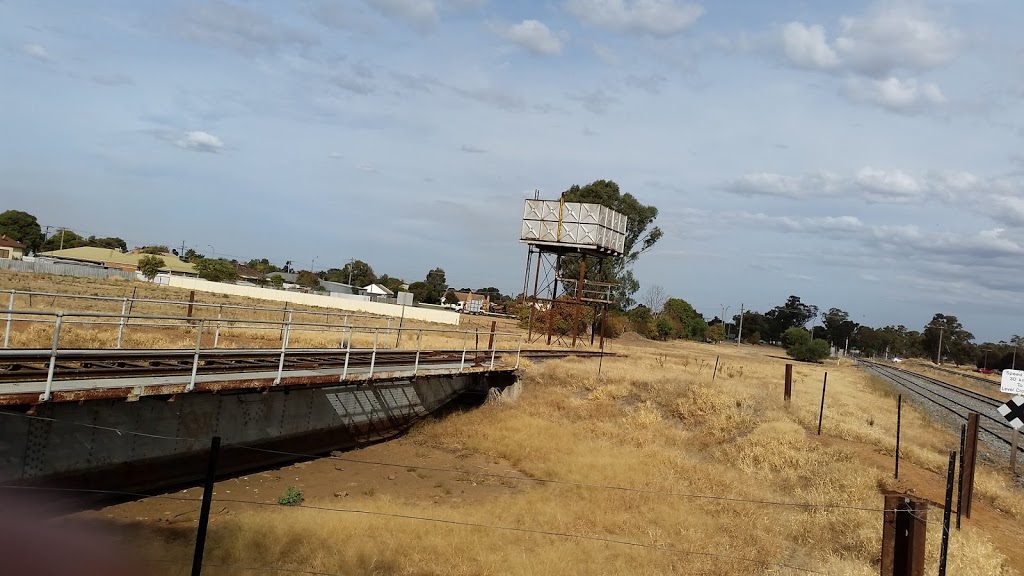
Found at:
(864, 155)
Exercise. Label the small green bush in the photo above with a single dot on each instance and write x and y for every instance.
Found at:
(291, 497)
(809, 351)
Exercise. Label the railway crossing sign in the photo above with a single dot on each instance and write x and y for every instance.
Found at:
(1012, 382)
(1013, 411)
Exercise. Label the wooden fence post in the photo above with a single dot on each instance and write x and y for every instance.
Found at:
(970, 457)
(787, 392)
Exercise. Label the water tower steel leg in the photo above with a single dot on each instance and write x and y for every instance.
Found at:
(554, 295)
(579, 298)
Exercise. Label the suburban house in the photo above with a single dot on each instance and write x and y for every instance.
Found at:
(473, 302)
(11, 248)
(377, 292)
(109, 258)
(247, 275)
(340, 288)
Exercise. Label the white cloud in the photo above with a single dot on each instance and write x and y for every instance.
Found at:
(237, 27)
(654, 17)
(895, 36)
(420, 14)
(200, 141)
(471, 149)
(604, 53)
(869, 184)
(37, 51)
(534, 36)
(893, 94)
(806, 46)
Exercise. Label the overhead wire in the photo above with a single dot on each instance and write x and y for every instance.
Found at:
(460, 523)
(552, 481)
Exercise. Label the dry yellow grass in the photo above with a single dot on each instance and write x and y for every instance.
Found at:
(653, 421)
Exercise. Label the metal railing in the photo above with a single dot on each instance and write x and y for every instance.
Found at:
(127, 304)
(347, 334)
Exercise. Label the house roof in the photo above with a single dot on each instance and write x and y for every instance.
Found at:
(339, 287)
(104, 255)
(289, 277)
(6, 242)
(378, 289)
(463, 296)
(247, 272)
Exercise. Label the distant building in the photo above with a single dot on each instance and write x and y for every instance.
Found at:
(376, 292)
(248, 275)
(473, 302)
(109, 258)
(340, 288)
(11, 248)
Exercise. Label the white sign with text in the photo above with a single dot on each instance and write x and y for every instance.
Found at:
(1012, 382)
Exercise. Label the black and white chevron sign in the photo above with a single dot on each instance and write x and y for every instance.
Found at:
(1013, 411)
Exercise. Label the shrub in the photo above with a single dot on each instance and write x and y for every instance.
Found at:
(716, 333)
(665, 328)
(150, 266)
(291, 497)
(614, 325)
(809, 351)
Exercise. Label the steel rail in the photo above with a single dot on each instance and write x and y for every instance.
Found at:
(895, 375)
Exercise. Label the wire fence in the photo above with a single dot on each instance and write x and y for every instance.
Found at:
(721, 498)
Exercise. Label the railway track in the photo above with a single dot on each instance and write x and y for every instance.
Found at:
(952, 400)
(971, 376)
(33, 365)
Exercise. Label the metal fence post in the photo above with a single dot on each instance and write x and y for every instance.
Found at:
(10, 316)
(348, 352)
(120, 324)
(465, 343)
(419, 340)
(204, 507)
(284, 348)
(216, 334)
(53, 358)
(195, 359)
(519, 351)
(373, 356)
(388, 339)
(494, 351)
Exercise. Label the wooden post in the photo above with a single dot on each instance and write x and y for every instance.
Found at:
(1015, 435)
(944, 547)
(899, 418)
(490, 341)
(960, 490)
(970, 457)
(715, 373)
(191, 300)
(904, 523)
(787, 392)
(204, 510)
(821, 411)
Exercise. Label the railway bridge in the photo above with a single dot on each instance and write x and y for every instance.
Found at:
(134, 419)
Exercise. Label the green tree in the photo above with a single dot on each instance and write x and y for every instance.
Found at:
(216, 269)
(956, 341)
(393, 284)
(277, 280)
(690, 324)
(792, 313)
(716, 333)
(307, 279)
(641, 236)
(360, 273)
(157, 250)
(450, 298)
(800, 346)
(113, 243)
(665, 328)
(419, 290)
(262, 265)
(150, 266)
(436, 286)
(837, 326)
(23, 227)
(62, 240)
(641, 321)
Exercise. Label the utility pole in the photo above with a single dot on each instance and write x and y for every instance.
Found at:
(739, 335)
(725, 310)
(351, 265)
(61, 238)
(938, 357)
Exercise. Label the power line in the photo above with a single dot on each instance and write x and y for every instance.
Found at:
(461, 523)
(576, 484)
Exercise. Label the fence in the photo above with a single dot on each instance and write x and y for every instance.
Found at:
(393, 310)
(371, 339)
(64, 269)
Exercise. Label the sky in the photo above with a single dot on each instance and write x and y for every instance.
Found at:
(861, 155)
